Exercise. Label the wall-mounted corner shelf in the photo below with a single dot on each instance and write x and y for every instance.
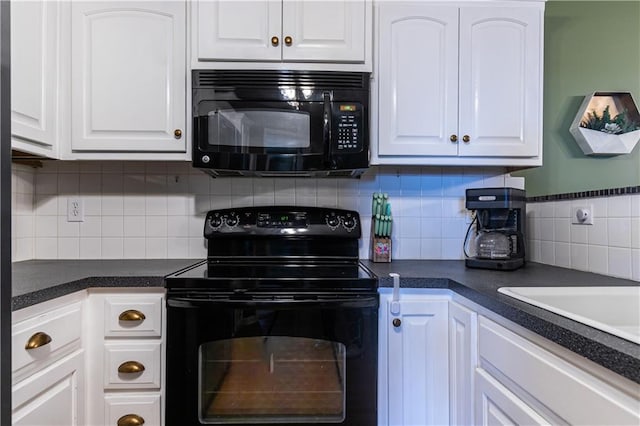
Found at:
(607, 123)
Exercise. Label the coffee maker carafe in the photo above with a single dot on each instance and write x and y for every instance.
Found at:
(499, 228)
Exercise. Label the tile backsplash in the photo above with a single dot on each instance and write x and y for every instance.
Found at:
(611, 246)
(155, 210)
(22, 212)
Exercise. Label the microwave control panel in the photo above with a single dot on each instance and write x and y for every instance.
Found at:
(348, 127)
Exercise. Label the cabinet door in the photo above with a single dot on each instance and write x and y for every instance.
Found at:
(496, 405)
(463, 355)
(53, 396)
(418, 79)
(417, 363)
(500, 81)
(237, 30)
(128, 76)
(34, 76)
(324, 31)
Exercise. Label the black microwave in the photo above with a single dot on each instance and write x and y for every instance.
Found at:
(280, 122)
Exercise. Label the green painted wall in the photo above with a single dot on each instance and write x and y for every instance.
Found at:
(589, 46)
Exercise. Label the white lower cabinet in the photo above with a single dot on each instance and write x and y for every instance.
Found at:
(463, 355)
(413, 360)
(520, 381)
(53, 396)
(126, 355)
(48, 386)
(445, 360)
(495, 405)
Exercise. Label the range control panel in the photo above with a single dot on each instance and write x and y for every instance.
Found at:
(282, 221)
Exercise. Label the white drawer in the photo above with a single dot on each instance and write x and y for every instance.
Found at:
(495, 404)
(145, 354)
(60, 325)
(144, 406)
(570, 392)
(133, 316)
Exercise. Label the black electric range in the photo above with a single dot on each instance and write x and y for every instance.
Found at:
(278, 325)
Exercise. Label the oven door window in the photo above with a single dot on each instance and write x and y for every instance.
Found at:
(272, 379)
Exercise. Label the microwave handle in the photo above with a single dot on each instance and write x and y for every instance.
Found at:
(326, 130)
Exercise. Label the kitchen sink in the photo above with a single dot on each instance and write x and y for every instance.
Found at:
(615, 310)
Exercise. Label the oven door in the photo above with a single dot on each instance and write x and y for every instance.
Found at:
(272, 360)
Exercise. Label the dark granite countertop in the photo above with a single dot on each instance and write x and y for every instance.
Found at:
(35, 281)
(480, 286)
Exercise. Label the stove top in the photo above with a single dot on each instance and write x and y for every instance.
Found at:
(269, 277)
(278, 249)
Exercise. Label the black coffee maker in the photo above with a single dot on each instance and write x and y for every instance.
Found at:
(499, 233)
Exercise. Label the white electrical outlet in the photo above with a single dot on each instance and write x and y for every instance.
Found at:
(582, 215)
(75, 210)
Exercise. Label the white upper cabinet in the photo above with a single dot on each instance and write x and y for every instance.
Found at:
(323, 31)
(418, 79)
(128, 90)
(280, 31)
(458, 85)
(35, 29)
(237, 30)
(500, 81)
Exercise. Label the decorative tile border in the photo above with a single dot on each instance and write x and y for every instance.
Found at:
(586, 194)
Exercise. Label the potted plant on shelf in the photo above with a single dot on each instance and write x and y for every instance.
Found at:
(607, 123)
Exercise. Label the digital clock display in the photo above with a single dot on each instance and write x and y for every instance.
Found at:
(282, 220)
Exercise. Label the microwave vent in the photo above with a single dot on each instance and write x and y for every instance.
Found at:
(276, 78)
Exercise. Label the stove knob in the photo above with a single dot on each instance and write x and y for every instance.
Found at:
(349, 223)
(215, 222)
(232, 220)
(333, 221)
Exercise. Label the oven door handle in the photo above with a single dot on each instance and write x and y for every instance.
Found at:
(276, 303)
